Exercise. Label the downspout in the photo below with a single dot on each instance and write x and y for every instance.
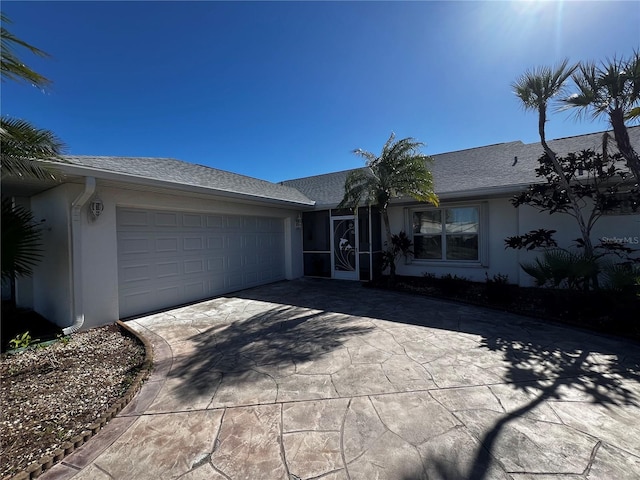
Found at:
(77, 306)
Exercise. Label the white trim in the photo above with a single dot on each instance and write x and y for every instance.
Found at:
(340, 275)
(483, 237)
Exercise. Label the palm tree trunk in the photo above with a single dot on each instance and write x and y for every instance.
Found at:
(624, 144)
(584, 230)
(387, 229)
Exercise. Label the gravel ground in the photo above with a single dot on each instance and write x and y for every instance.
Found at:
(48, 395)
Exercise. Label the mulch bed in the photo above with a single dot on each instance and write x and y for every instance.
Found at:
(52, 396)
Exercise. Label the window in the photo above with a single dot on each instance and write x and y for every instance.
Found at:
(446, 234)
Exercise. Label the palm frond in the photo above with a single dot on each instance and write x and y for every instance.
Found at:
(358, 186)
(632, 114)
(21, 247)
(11, 67)
(536, 87)
(612, 85)
(400, 170)
(22, 145)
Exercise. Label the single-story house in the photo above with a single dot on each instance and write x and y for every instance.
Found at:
(127, 236)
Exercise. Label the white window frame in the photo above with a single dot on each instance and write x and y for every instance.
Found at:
(483, 235)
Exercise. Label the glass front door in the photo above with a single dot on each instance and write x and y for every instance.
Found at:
(344, 247)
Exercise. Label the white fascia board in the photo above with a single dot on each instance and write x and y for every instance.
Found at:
(499, 191)
(474, 194)
(152, 182)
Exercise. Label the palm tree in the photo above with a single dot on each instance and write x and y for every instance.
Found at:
(22, 144)
(536, 89)
(611, 89)
(400, 170)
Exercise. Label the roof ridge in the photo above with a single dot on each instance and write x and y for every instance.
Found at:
(321, 174)
(584, 135)
(481, 146)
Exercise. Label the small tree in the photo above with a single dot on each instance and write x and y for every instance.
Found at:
(536, 89)
(401, 245)
(400, 170)
(597, 182)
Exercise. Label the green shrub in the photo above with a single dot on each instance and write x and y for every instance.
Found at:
(622, 277)
(453, 284)
(562, 268)
(498, 289)
(23, 340)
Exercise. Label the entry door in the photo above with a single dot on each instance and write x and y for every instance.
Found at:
(344, 247)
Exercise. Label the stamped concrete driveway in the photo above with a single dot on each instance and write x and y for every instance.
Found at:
(330, 380)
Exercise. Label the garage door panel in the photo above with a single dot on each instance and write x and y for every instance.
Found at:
(136, 273)
(250, 242)
(195, 290)
(133, 301)
(193, 266)
(193, 243)
(166, 296)
(169, 258)
(134, 246)
(166, 244)
(133, 218)
(215, 243)
(167, 269)
(250, 261)
(192, 220)
(215, 221)
(163, 219)
(215, 265)
(234, 281)
(234, 262)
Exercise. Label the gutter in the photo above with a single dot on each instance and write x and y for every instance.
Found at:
(77, 305)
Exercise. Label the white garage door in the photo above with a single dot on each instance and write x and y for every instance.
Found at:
(169, 258)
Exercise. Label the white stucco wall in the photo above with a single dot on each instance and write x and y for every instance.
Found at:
(503, 220)
(51, 278)
(98, 244)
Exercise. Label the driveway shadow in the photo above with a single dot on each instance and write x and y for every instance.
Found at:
(580, 368)
(269, 341)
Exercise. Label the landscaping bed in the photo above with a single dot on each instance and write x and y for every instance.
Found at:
(51, 395)
(602, 311)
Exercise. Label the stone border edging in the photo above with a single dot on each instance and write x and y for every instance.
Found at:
(35, 469)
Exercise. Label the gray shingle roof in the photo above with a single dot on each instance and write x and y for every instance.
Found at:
(475, 169)
(183, 173)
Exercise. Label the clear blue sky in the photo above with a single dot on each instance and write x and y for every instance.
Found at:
(286, 90)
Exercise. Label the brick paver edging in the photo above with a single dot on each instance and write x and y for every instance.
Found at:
(45, 463)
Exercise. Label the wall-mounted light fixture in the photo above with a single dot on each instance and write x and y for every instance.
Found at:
(299, 221)
(95, 208)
